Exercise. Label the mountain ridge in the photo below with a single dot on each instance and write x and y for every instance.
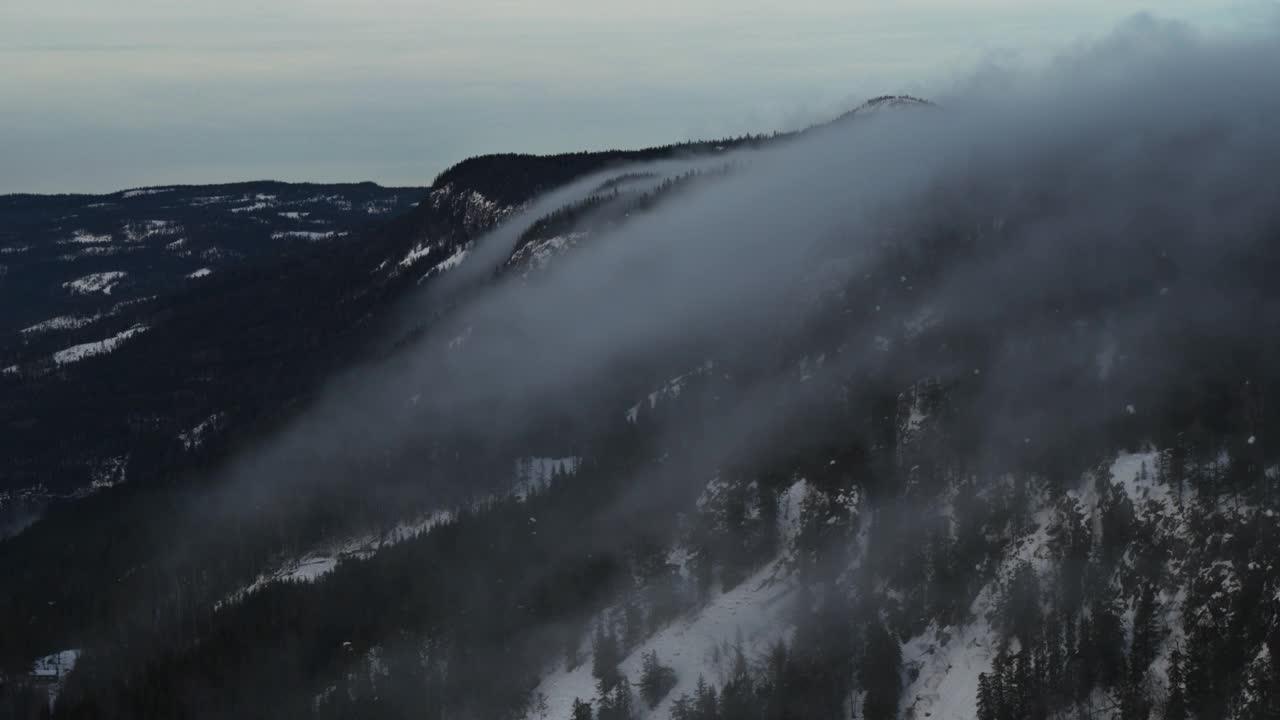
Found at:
(890, 482)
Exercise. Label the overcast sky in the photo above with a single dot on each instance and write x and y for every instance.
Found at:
(98, 96)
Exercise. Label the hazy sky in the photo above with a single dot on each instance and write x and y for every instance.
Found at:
(98, 96)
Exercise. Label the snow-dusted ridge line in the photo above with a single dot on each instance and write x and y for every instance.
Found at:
(416, 253)
(448, 263)
(671, 390)
(318, 563)
(76, 353)
(62, 322)
(424, 250)
(253, 207)
(145, 191)
(75, 322)
(311, 235)
(193, 438)
(530, 474)
(539, 253)
(84, 237)
(103, 282)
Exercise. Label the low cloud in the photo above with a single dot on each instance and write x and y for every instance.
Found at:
(1128, 184)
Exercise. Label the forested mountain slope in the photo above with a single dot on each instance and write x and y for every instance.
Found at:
(949, 414)
(111, 446)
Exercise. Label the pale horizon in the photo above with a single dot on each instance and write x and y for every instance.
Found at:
(145, 93)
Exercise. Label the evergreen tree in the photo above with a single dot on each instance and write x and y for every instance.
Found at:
(632, 623)
(776, 687)
(703, 573)
(1022, 606)
(1107, 641)
(1175, 706)
(1257, 697)
(581, 710)
(1142, 653)
(572, 648)
(707, 706)
(683, 708)
(605, 658)
(988, 699)
(737, 699)
(656, 679)
(1003, 686)
(616, 704)
(1085, 660)
(881, 674)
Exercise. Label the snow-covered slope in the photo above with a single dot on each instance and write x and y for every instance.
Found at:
(750, 618)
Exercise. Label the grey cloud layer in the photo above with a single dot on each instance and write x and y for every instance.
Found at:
(1150, 147)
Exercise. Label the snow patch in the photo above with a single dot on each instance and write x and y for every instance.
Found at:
(109, 473)
(254, 207)
(97, 251)
(315, 565)
(62, 322)
(144, 191)
(53, 669)
(538, 254)
(1136, 472)
(536, 473)
(415, 254)
(103, 282)
(752, 617)
(308, 235)
(449, 263)
(84, 237)
(213, 254)
(76, 353)
(949, 660)
(139, 231)
(381, 207)
(209, 200)
(193, 438)
(671, 390)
